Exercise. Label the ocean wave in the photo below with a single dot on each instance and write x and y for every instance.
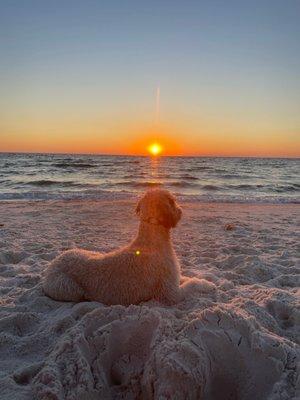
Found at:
(7, 165)
(94, 194)
(181, 184)
(235, 176)
(149, 184)
(131, 162)
(187, 176)
(100, 194)
(268, 188)
(254, 188)
(45, 182)
(41, 182)
(210, 187)
(140, 184)
(73, 165)
(107, 164)
(245, 186)
(122, 162)
(135, 175)
(287, 188)
(238, 199)
(198, 168)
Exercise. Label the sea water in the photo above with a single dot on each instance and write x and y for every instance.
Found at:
(69, 176)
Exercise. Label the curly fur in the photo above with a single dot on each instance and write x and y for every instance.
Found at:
(145, 269)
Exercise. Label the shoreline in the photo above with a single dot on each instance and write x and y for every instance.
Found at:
(183, 199)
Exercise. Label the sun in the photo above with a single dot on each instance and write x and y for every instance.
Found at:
(155, 149)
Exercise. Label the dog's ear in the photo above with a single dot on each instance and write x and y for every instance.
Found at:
(170, 213)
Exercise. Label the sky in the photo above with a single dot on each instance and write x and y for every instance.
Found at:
(83, 76)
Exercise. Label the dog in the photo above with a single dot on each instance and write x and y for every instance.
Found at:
(145, 269)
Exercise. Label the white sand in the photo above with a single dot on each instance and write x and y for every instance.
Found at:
(235, 336)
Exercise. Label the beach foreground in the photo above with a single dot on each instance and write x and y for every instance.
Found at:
(234, 336)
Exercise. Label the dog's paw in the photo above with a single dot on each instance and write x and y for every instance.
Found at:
(194, 286)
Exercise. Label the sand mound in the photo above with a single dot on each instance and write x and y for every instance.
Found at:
(150, 352)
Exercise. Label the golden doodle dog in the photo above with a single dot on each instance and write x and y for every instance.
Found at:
(145, 269)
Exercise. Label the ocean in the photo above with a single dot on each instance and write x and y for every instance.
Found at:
(206, 179)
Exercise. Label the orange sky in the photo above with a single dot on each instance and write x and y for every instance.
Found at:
(104, 137)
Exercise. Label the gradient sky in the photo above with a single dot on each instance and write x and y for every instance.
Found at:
(81, 76)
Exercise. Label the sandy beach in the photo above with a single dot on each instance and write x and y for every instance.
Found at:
(235, 335)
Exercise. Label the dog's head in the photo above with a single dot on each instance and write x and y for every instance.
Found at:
(158, 206)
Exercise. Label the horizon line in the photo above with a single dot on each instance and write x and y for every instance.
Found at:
(148, 155)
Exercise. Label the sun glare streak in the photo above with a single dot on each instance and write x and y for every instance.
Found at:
(155, 149)
(157, 108)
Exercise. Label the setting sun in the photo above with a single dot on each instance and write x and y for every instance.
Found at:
(155, 149)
